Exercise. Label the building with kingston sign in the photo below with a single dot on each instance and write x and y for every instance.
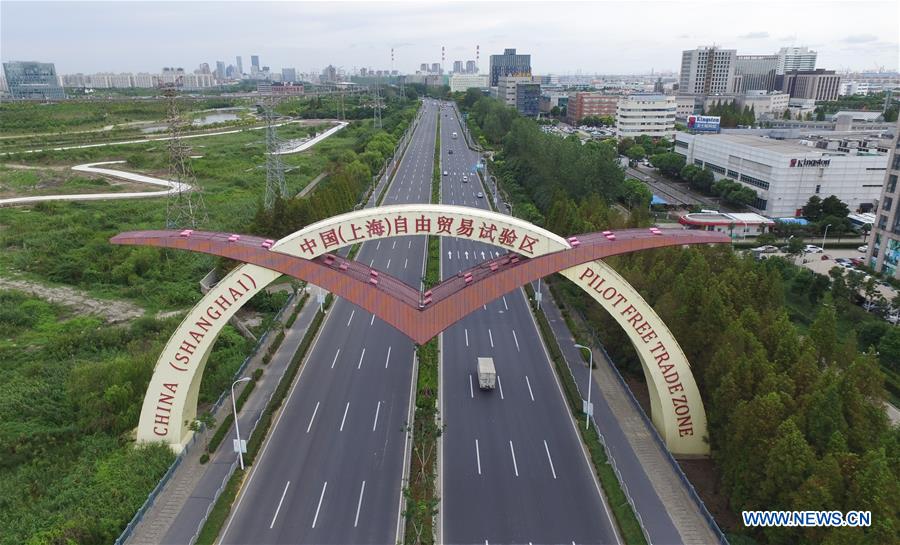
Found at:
(704, 123)
(786, 173)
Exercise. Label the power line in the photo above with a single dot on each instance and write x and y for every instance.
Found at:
(185, 207)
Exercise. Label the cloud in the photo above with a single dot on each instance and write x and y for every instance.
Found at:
(860, 38)
(754, 35)
(683, 36)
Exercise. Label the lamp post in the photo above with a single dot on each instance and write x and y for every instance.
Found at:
(237, 430)
(825, 236)
(589, 411)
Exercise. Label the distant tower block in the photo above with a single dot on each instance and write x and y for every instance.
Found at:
(275, 184)
(184, 206)
(376, 107)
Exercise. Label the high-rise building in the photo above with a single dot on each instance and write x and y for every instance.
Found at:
(528, 98)
(755, 73)
(239, 65)
(471, 68)
(329, 74)
(220, 71)
(457, 67)
(884, 242)
(436, 68)
(506, 88)
(707, 71)
(818, 85)
(423, 68)
(33, 80)
(795, 58)
(254, 62)
(509, 64)
(650, 115)
(288, 74)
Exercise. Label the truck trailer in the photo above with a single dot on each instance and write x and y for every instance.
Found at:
(487, 374)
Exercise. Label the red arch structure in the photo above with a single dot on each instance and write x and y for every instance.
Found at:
(171, 400)
(419, 316)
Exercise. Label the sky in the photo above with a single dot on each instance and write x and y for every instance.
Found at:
(601, 37)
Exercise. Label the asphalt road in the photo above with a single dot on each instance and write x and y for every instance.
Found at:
(331, 469)
(513, 469)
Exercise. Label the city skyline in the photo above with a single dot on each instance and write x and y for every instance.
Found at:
(352, 35)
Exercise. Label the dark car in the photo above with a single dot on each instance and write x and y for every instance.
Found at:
(449, 152)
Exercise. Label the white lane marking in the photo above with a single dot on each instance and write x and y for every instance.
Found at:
(352, 312)
(394, 245)
(336, 354)
(388, 264)
(500, 384)
(347, 408)
(513, 452)
(313, 417)
(491, 336)
(471, 390)
(467, 336)
(371, 262)
(549, 459)
(404, 262)
(277, 509)
(484, 307)
(322, 495)
(409, 245)
(478, 456)
(377, 410)
(516, 339)
(358, 505)
(388, 358)
(372, 321)
(504, 303)
(378, 245)
(528, 382)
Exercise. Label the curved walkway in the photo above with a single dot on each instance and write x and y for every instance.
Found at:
(171, 187)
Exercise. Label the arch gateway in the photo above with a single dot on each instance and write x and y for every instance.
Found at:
(170, 404)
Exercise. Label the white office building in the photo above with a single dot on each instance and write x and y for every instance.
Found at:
(796, 58)
(506, 88)
(460, 82)
(765, 105)
(707, 71)
(651, 115)
(786, 173)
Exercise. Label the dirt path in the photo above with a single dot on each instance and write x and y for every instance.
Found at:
(111, 311)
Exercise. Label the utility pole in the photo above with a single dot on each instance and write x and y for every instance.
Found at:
(275, 184)
(185, 208)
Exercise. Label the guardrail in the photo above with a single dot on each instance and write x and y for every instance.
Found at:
(692, 492)
(151, 497)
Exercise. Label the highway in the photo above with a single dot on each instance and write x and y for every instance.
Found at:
(513, 469)
(331, 469)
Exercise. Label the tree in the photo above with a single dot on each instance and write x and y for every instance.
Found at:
(766, 238)
(554, 111)
(637, 194)
(812, 210)
(786, 114)
(669, 164)
(625, 143)
(889, 349)
(833, 206)
(636, 152)
(734, 193)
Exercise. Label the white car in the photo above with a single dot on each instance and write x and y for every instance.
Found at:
(863, 249)
(812, 249)
(446, 173)
(480, 195)
(767, 249)
(465, 178)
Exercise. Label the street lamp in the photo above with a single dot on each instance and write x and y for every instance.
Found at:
(237, 430)
(588, 411)
(825, 236)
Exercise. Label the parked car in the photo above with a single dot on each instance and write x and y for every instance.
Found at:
(863, 249)
(812, 249)
(766, 249)
(858, 261)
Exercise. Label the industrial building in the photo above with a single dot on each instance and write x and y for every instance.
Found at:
(884, 241)
(33, 80)
(786, 173)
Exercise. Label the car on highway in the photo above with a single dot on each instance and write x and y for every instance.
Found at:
(449, 152)
(812, 249)
(765, 249)
(480, 195)
(446, 173)
(465, 178)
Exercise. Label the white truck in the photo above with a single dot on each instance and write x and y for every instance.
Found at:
(487, 374)
(453, 136)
